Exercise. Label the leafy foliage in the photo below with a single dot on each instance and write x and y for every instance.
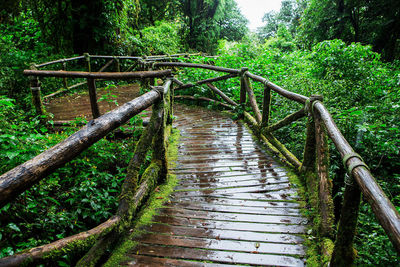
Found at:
(370, 22)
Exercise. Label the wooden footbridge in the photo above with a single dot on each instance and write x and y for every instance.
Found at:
(237, 200)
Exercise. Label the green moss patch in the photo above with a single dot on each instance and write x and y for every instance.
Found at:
(156, 201)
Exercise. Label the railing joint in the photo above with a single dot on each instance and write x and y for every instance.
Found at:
(310, 102)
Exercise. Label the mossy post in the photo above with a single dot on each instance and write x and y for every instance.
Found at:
(252, 99)
(243, 91)
(266, 106)
(161, 139)
(133, 191)
(87, 58)
(171, 91)
(65, 83)
(35, 91)
(132, 177)
(93, 97)
(117, 64)
(309, 156)
(151, 81)
(343, 252)
(326, 208)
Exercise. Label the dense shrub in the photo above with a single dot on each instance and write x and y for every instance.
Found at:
(161, 39)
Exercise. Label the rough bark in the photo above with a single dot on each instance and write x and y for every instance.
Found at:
(99, 75)
(34, 255)
(192, 65)
(343, 253)
(252, 99)
(286, 121)
(289, 95)
(266, 106)
(221, 94)
(325, 205)
(93, 98)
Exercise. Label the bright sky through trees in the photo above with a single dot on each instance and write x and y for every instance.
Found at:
(254, 10)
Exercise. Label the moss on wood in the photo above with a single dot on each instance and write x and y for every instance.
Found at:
(156, 200)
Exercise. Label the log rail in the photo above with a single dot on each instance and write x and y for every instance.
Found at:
(314, 164)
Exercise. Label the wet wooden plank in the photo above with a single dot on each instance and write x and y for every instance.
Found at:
(217, 256)
(227, 225)
(183, 157)
(223, 164)
(225, 234)
(249, 168)
(245, 187)
(225, 245)
(216, 183)
(233, 217)
(234, 159)
(235, 202)
(145, 261)
(256, 193)
(237, 209)
(228, 176)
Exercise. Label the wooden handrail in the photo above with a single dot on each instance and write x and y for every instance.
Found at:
(22, 177)
(289, 95)
(383, 209)
(286, 121)
(206, 81)
(58, 61)
(99, 75)
(192, 65)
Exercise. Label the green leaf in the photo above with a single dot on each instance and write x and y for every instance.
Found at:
(14, 227)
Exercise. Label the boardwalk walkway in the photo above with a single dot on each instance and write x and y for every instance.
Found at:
(233, 205)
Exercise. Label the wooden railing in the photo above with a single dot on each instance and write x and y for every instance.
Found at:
(313, 166)
(132, 195)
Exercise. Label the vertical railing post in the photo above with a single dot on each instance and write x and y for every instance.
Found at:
(266, 111)
(243, 86)
(117, 64)
(326, 208)
(87, 57)
(93, 97)
(151, 81)
(161, 138)
(343, 252)
(35, 91)
(171, 103)
(36, 96)
(309, 156)
(65, 83)
(252, 99)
